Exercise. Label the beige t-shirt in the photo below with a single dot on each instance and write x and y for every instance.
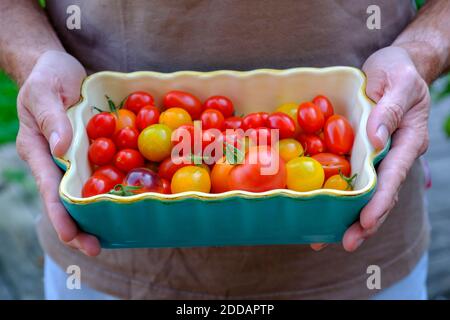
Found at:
(174, 35)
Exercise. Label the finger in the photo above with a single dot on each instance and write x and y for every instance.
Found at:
(353, 237)
(47, 108)
(318, 246)
(391, 174)
(86, 243)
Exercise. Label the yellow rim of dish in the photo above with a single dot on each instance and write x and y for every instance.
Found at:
(228, 194)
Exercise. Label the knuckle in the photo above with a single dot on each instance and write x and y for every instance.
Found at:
(44, 119)
(394, 113)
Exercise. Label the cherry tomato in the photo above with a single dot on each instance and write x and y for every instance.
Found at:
(260, 136)
(255, 120)
(166, 186)
(101, 151)
(145, 179)
(339, 135)
(312, 144)
(212, 145)
(147, 116)
(310, 117)
(124, 118)
(126, 138)
(101, 125)
(110, 172)
(332, 164)
(261, 170)
(128, 159)
(169, 166)
(219, 176)
(96, 185)
(338, 182)
(137, 100)
(184, 132)
(191, 178)
(232, 123)
(290, 109)
(212, 118)
(304, 174)
(155, 143)
(283, 123)
(175, 117)
(221, 104)
(184, 100)
(290, 149)
(324, 105)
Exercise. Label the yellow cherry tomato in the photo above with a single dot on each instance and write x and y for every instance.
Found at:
(339, 182)
(289, 149)
(191, 178)
(290, 109)
(175, 117)
(304, 174)
(155, 142)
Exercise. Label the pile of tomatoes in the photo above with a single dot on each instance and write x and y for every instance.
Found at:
(301, 147)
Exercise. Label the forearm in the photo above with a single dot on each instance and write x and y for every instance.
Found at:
(427, 39)
(25, 33)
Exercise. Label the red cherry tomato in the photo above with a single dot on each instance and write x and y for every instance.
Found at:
(166, 186)
(147, 116)
(255, 120)
(262, 170)
(184, 100)
(169, 166)
(310, 117)
(186, 131)
(145, 179)
(110, 172)
(311, 143)
(332, 164)
(96, 185)
(232, 123)
(324, 105)
(126, 138)
(282, 122)
(128, 159)
(212, 118)
(137, 100)
(260, 136)
(220, 103)
(101, 151)
(338, 135)
(101, 125)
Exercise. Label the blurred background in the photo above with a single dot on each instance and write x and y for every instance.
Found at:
(21, 258)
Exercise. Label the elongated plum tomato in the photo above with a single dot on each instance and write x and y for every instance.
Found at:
(110, 172)
(262, 170)
(332, 164)
(155, 142)
(338, 135)
(145, 179)
(126, 138)
(212, 118)
(290, 109)
(282, 122)
(191, 178)
(101, 151)
(304, 174)
(221, 104)
(219, 176)
(289, 149)
(310, 117)
(124, 118)
(311, 143)
(147, 116)
(255, 120)
(175, 117)
(96, 185)
(324, 105)
(232, 123)
(102, 125)
(128, 159)
(137, 100)
(184, 100)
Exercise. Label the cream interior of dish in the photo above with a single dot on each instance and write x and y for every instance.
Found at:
(250, 91)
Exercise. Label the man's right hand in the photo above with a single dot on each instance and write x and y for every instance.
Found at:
(52, 86)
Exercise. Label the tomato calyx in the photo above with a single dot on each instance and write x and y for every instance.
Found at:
(350, 180)
(124, 191)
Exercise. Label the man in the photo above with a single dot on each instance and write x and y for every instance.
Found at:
(400, 58)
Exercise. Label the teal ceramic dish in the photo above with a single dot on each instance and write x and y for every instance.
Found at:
(192, 219)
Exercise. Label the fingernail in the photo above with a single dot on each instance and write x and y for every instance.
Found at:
(53, 141)
(382, 134)
(359, 243)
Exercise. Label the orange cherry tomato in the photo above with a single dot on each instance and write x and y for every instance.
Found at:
(220, 175)
(124, 118)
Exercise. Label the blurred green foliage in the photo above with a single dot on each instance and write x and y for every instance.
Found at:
(8, 114)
